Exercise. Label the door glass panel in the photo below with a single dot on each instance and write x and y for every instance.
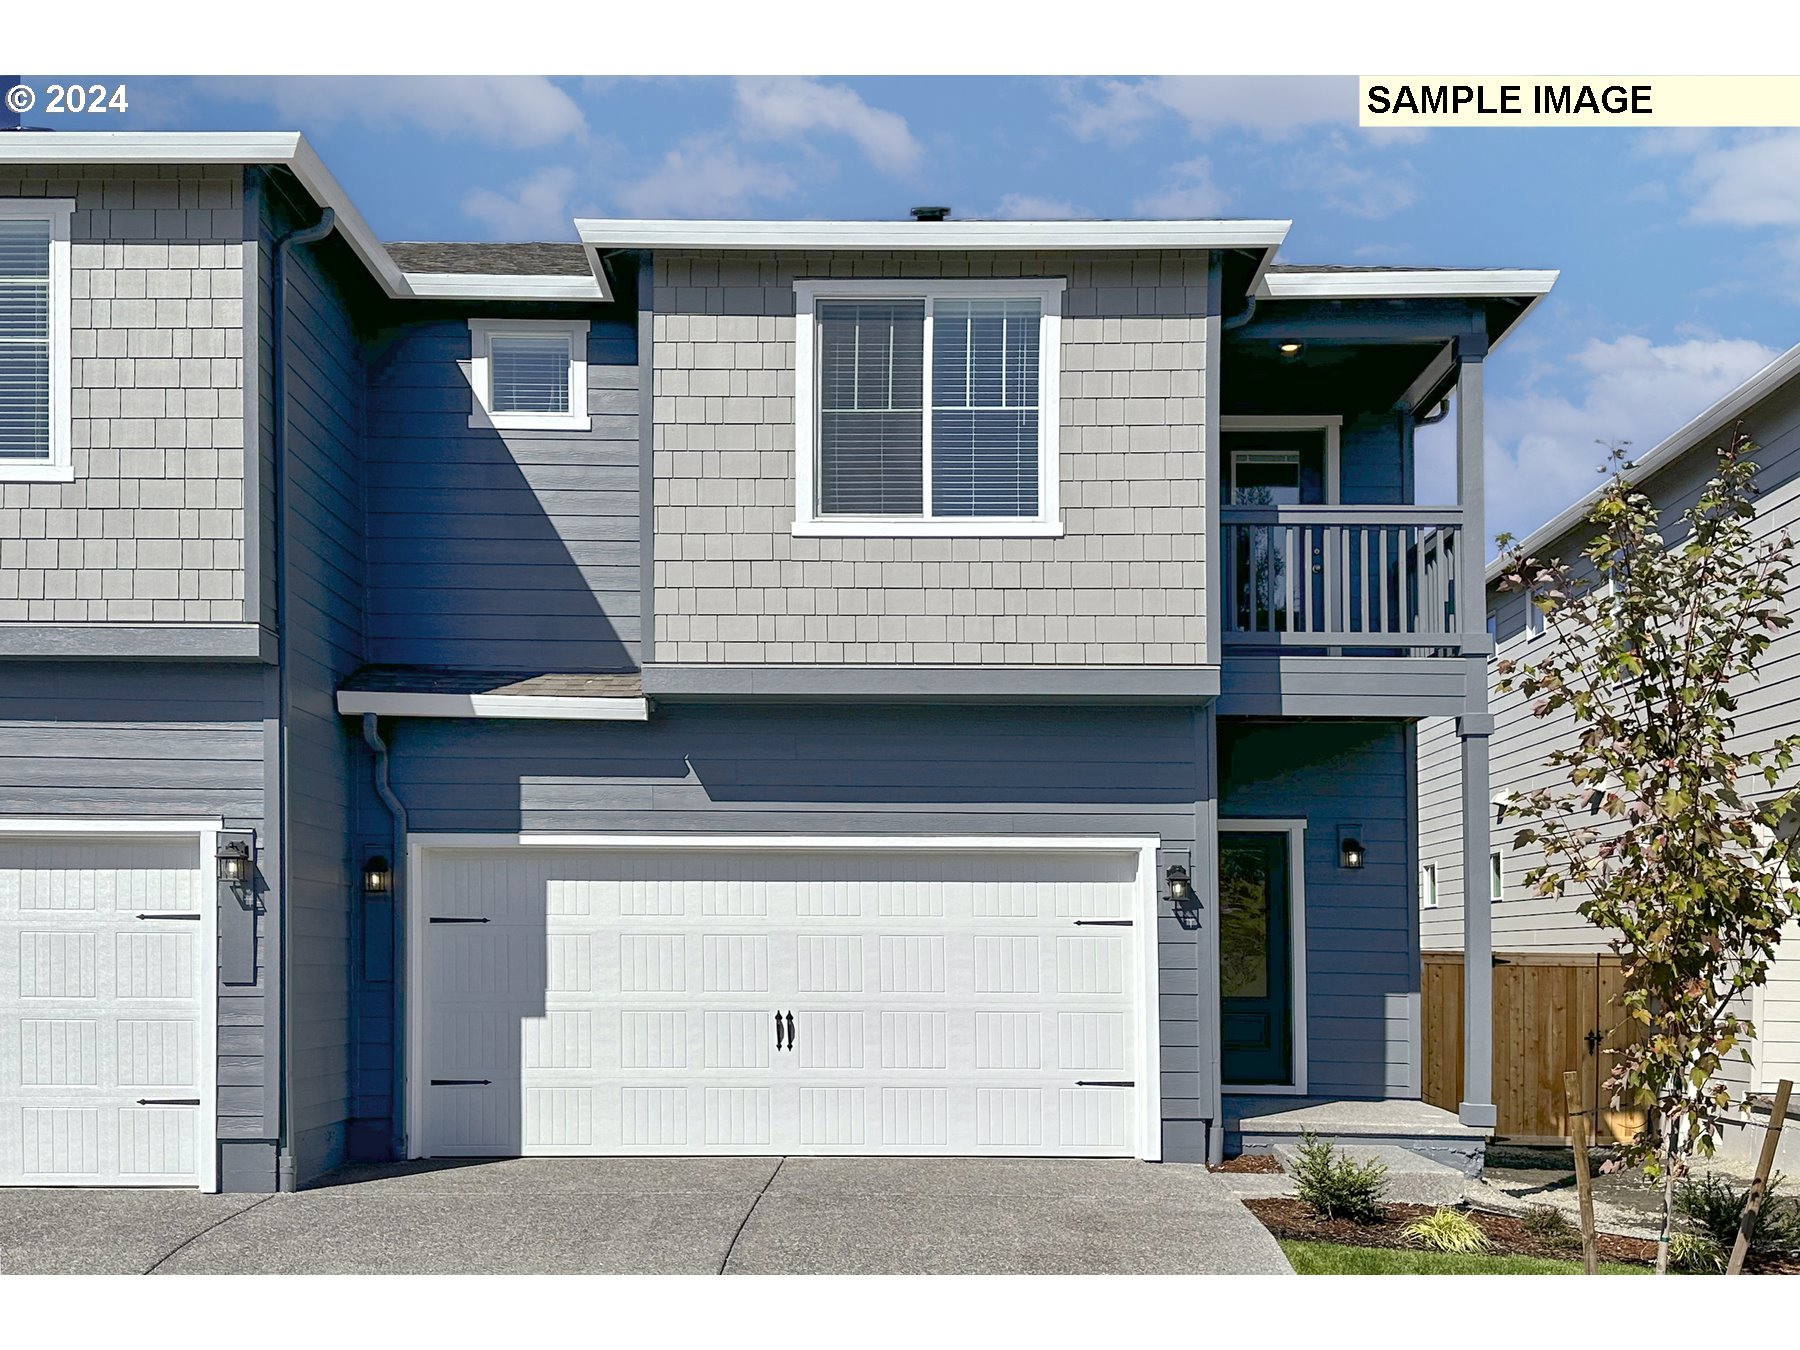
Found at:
(1244, 893)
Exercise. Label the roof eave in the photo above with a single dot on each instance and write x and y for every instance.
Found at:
(998, 235)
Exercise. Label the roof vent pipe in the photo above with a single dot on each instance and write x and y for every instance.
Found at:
(930, 213)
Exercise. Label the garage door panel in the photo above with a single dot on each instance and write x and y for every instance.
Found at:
(940, 1003)
(101, 998)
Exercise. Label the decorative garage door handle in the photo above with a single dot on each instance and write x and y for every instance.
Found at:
(790, 1021)
(778, 1033)
(789, 1029)
(461, 1082)
(168, 1101)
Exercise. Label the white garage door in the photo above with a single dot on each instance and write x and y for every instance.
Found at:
(730, 1000)
(100, 1011)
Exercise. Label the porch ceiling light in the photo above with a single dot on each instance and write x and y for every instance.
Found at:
(1291, 349)
(1181, 890)
(233, 861)
(1350, 852)
(377, 876)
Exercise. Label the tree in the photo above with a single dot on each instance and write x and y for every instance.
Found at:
(1677, 836)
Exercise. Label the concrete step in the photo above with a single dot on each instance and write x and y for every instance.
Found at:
(1412, 1178)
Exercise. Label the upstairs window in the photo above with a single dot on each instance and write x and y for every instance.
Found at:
(529, 374)
(1428, 892)
(34, 340)
(927, 408)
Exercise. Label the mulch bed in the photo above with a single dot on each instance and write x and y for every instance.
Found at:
(1292, 1219)
(1259, 1163)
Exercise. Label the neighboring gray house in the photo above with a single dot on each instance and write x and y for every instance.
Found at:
(719, 687)
(1672, 474)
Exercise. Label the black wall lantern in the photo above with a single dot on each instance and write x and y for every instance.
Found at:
(377, 876)
(1181, 890)
(233, 859)
(1350, 852)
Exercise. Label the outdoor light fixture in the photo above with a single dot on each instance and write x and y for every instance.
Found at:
(1181, 890)
(1291, 349)
(1350, 852)
(233, 860)
(378, 877)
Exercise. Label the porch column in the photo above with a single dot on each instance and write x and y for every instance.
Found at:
(1473, 729)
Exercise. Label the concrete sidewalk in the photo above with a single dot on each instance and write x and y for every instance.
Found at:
(664, 1216)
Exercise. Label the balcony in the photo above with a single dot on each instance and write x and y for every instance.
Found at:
(1337, 580)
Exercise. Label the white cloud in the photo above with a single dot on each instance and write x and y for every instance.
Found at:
(704, 176)
(1024, 206)
(536, 207)
(1369, 191)
(1544, 448)
(1272, 106)
(789, 108)
(1754, 181)
(1188, 193)
(501, 110)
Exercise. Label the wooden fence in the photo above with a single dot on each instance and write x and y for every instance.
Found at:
(1552, 1013)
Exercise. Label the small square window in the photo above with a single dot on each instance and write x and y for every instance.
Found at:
(529, 374)
(1428, 892)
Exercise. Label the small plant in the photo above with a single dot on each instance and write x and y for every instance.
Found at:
(1335, 1186)
(1447, 1230)
(1715, 1207)
(1695, 1253)
(1549, 1224)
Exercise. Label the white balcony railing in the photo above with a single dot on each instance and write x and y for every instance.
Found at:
(1333, 577)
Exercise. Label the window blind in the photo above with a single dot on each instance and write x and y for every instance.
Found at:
(871, 407)
(984, 407)
(24, 340)
(528, 374)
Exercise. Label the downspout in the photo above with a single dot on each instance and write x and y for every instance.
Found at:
(1240, 319)
(396, 813)
(311, 234)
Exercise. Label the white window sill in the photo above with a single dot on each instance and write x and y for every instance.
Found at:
(530, 422)
(37, 473)
(919, 527)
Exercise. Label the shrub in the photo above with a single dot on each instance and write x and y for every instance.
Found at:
(1447, 1230)
(1549, 1224)
(1696, 1253)
(1715, 1207)
(1335, 1186)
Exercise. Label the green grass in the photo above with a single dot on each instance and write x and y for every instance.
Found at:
(1329, 1258)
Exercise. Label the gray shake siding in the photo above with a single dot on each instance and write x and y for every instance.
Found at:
(1362, 976)
(821, 770)
(151, 528)
(509, 549)
(1125, 585)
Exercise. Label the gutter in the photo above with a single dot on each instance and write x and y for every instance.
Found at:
(397, 814)
(311, 234)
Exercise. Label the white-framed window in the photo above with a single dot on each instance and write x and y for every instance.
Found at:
(34, 340)
(1493, 632)
(1534, 619)
(1313, 442)
(529, 374)
(1428, 895)
(927, 407)
(1496, 877)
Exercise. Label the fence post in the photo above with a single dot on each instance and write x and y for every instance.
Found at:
(1584, 1181)
(1760, 1186)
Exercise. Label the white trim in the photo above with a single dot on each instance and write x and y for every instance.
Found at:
(915, 236)
(808, 523)
(1378, 285)
(498, 286)
(58, 466)
(552, 707)
(1147, 1003)
(482, 332)
(1332, 424)
(1295, 829)
(205, 832)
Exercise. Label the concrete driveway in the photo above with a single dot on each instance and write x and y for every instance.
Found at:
(757, 1216)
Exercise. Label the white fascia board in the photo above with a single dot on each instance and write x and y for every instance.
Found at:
(484, 286)
(288, 148)
(1726, 411)
(946, 235)
(394, 703)
(1472, 284)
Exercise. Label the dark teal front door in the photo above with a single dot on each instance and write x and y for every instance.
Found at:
(1256, 978)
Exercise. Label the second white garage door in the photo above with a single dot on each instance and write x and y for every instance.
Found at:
(748, 1000)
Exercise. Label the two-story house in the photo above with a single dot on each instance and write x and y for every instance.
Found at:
(1673, 473)
(908, 687)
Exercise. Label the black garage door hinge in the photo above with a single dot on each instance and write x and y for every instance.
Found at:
(1104, 1082)
(168, 1101)
(440, 919)
(1103, 923)
(461, 1082)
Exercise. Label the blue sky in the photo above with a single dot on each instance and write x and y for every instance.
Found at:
(1679, 251)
